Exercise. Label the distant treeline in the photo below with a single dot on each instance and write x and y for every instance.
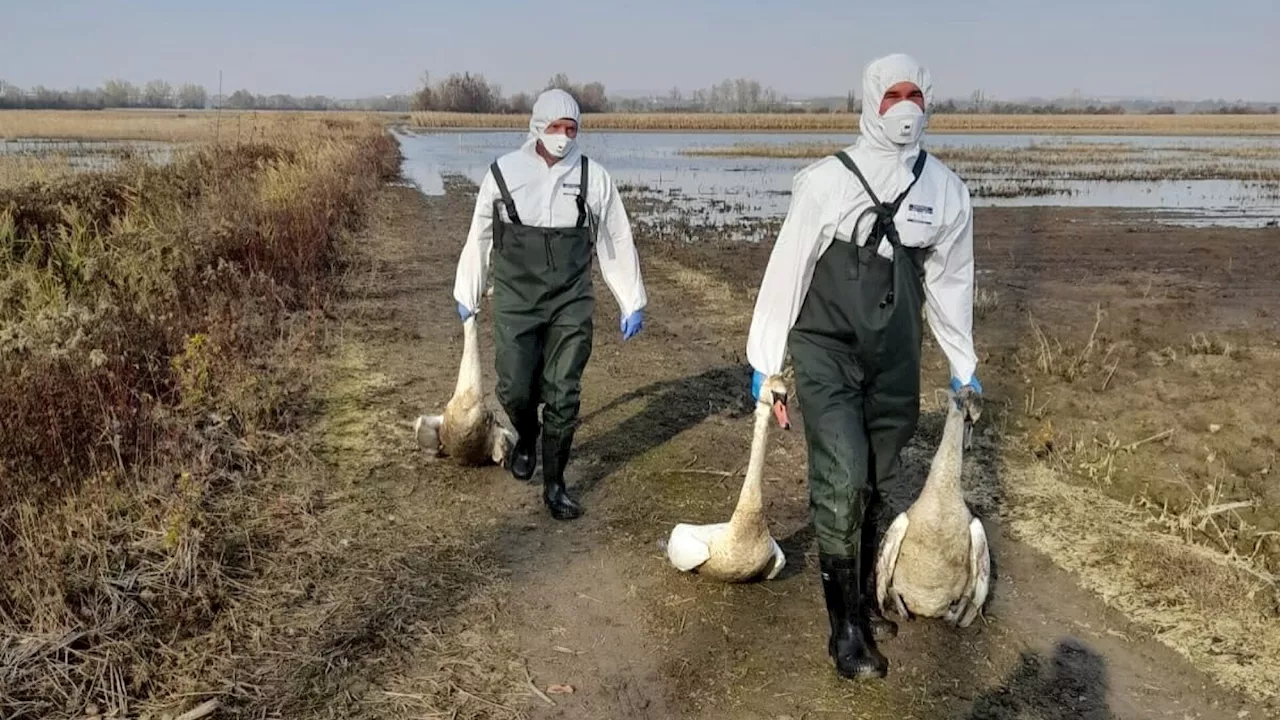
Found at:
(472, 93)
(188, 96)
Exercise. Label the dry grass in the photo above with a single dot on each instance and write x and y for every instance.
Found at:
(1082, 153)
(1213, 609)
(156, 326)
(1179, 554)
(1202, 344)
(985, 302)
(1052, 357)
(20, 170)
(1056, 161)
(843, 122)
(173, 125)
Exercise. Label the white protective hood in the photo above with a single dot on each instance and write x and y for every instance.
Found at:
(549, 107)
(879, 76)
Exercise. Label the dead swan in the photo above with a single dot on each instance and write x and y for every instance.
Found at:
(934, 560)
(468, 431)
(742, 548)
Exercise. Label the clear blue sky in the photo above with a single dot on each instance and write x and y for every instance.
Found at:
(1179, 48)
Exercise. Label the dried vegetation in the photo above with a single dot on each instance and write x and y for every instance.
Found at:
(156, 325)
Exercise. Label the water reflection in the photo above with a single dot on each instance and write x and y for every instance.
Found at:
(720, 190)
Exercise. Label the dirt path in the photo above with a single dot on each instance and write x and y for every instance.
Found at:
(480, 592)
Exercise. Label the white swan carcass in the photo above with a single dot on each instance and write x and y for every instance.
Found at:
(741, 549)
(468, 431)
(934, 560)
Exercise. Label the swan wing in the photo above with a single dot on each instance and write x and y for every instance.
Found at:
(888, 557)
(778, 561)
(979, 571)
(690, 545)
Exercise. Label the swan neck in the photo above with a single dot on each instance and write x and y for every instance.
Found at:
(944, 473)
(469, 372)
(751, 499)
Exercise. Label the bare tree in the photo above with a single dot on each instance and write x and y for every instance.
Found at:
(467, 93)
(157, 94)
(560, 81)
(192, 96)
(117, 93)
(521, 103)
(592, 98)
(241, 100)
(424, 99)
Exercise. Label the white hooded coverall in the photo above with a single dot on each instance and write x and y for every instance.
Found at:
(546, 197)
(825, 201)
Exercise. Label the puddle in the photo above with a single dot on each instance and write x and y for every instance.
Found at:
(1027, 170)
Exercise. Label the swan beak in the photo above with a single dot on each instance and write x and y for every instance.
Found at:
(780, 411)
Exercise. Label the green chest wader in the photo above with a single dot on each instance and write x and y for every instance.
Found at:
(542, 308)
(856, 349)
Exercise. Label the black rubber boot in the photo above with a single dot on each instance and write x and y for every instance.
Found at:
(851, 646)
(523, 460)
(555, 456)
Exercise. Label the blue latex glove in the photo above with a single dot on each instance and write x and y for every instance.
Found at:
(463, 312)
(968, 397)
(631, 324)
(757, 379)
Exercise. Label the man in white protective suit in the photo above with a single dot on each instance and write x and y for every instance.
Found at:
(542, 214)
(876, 237)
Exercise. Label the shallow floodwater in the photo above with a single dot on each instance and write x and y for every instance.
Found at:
(87, 154)
(720, 191)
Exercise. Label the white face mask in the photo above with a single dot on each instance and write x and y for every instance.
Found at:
(557, 144)
(904, 123)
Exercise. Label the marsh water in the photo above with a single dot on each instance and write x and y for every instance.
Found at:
(1237, 179)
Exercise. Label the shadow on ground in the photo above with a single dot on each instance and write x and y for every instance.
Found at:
(1072, 684)
(673, 407)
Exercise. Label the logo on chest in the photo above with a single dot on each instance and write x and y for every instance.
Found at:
(922, 214)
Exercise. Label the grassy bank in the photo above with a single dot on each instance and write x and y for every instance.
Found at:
(172, 125)
(156, 325)
(845, 122)
(233, 125)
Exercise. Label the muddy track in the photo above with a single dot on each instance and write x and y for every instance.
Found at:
(487, 596)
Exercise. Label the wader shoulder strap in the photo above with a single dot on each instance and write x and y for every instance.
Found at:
(506, 194)
(844, 158)
(883, 226)
(582, 194)
(916, 170)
